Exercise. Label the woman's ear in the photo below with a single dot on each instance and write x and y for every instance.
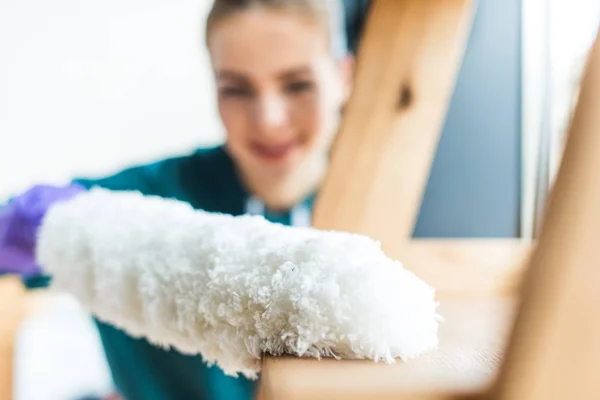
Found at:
(346, 72)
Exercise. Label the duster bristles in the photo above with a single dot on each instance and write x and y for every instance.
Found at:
(232, 288)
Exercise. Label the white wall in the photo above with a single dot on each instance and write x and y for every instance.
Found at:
(573, 27)
(557, 36)
(88, 87)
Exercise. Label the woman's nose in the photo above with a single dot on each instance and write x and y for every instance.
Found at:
(271, 114)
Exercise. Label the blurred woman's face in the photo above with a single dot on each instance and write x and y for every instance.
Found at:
(279, 90)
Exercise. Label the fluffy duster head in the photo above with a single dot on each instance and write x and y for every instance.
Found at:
(233, 288)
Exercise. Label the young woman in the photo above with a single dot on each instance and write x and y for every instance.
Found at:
(283, 75)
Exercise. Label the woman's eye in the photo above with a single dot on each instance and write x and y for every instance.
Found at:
(235, 92)
(299, 87)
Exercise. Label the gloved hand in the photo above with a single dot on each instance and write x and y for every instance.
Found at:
(19, 223)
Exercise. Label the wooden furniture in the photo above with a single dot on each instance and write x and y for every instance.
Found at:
(407, 63)
(545, 322)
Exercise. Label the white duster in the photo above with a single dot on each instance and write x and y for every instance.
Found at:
(233, 288)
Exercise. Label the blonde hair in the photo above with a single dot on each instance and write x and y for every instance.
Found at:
(327, 13)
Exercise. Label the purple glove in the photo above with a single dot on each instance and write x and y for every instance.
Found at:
(19, 223)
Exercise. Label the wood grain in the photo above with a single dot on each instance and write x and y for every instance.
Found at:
(407, 63)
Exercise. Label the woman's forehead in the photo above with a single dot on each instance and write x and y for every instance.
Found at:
(267, 43)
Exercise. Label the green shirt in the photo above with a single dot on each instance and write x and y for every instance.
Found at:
(207, 180)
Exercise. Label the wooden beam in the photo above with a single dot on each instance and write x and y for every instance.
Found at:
(409, 57)
(555, 347)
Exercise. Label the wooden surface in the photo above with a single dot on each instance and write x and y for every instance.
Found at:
(12, 311)
(467, 268)
(555, 348)
(407, 62)
(472, 342)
